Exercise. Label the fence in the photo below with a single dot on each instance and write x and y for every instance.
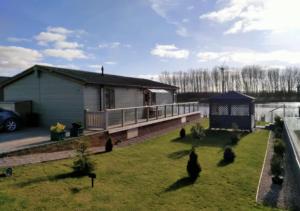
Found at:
(121, 117)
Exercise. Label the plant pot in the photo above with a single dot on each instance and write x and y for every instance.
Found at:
(278, 180)
(58, 136)
(75, 132)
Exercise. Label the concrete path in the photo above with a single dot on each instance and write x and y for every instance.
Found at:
(23, 138)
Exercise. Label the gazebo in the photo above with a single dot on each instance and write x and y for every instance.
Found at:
(232, 107)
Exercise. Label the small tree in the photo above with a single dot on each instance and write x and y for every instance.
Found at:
(198, 131)
(109, 145)
(82, 164)
(182, 133)
(228, 155)
(276, 164)
(279, 147)
(193, 167)
(278, 122)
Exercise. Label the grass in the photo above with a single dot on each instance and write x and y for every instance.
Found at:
(145, 176)
(261, 123)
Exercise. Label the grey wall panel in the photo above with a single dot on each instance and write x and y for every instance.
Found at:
(61, 100)
(128, 97)
(164, 98)
(91, 98)
(26, 88)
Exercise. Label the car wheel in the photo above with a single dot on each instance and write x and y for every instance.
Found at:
(11, 125)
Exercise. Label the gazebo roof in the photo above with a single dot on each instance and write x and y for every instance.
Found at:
(232, 95)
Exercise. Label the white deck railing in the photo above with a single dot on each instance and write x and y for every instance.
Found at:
(120, 117)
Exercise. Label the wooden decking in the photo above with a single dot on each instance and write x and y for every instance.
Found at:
(115, 120)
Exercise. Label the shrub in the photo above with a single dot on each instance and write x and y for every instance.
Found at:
(58, 128)
(235, 139)
(278, 132)
(193, 166)
(82, 164)
(228, 155)
(198, 131)
(276, 164)
(279, 147)
(109, 145)
(278, 123)
(182, 133)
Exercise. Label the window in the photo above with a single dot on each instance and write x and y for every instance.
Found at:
(239, 110)
(109, 98)
(153, 98)
(220, 110)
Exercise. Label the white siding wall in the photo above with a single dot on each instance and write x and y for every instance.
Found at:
(164, 98)
(128, 97)
(91, 96)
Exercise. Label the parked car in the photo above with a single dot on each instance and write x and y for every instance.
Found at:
(9, 120)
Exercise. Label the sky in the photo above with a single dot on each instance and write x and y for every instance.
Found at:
(145, 37)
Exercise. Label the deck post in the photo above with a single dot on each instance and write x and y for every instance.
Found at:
(172, 109)
(183, 108)
(135, 116)
(189, 108)
(123, 117)
(85, 118)
(178, 110)
(106, 119)
(165, 107)
(156, 112)
(147, 109)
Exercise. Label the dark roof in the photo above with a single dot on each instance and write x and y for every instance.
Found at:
(2, 79)
(86, 77)
(232, 95)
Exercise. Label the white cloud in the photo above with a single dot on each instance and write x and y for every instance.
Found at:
(47, 37)
(65, 44)
(13, 59)
(252, 15)
(59, 30)
(182, 31)
(68, 54)
(161, 7)
(153, 77)
(170, 51)
(190, 7)
(185, 20)
(252, 57)
(110, 45)
(110, 62)
(16, 39)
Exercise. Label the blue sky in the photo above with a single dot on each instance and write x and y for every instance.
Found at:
(146, 37)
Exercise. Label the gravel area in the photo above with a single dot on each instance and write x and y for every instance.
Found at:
(286, 196)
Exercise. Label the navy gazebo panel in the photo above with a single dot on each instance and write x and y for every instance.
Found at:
(232, 108)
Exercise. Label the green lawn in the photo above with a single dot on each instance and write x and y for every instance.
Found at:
(261, 123)
(145, 176)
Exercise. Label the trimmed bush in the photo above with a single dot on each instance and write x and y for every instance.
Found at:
(198, 131)
(278, 123)
(193, 166)
(109, 145)
(182, 133)
(235, 139)
(228, 155)
(276, 164)
(278, 132)
(279, 147)
(82, 164)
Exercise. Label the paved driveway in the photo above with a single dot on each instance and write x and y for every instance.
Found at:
(23, 138)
